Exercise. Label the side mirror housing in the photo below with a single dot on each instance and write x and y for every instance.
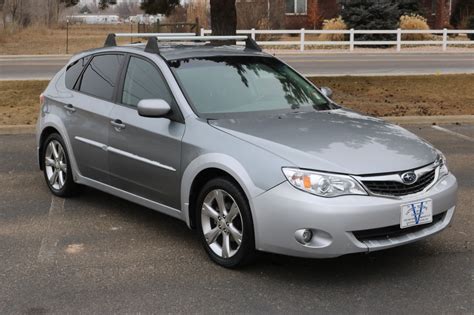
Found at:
(327, 92)
(153, 108)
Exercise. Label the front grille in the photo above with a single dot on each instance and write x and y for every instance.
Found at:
(393, 188)
(393, 231)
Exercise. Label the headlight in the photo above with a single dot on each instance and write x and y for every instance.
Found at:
(323, 184)
(443, 167)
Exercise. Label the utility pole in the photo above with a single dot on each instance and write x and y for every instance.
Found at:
(268, 10)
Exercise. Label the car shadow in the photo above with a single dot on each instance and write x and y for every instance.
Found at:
(354, 267)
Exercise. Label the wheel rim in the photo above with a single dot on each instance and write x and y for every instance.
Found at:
(55, 165)
(222, 224)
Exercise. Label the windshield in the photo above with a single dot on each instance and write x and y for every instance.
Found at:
(217, 86)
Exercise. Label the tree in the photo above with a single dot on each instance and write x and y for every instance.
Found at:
(70, 3)
(407, 7)
(85, 10)
(314, 15)
(223, 13)
(154, 7)
(223, 17)
(470, 25)
(461, 13)
(103, 4)
(372, 15)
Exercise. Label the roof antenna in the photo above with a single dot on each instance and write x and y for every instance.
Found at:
(110, 41)
(152, 46)
(250, 43)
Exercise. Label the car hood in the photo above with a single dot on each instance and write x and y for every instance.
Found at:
(338, 141)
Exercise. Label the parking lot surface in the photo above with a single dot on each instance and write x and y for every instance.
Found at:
(99, 254)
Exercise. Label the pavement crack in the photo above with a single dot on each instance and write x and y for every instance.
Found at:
(50, 241)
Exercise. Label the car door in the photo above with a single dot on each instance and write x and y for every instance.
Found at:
(144, 153)
(90, 110)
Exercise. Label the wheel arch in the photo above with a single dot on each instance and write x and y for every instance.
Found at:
(205, 168)
(54, 125)
(45, 133)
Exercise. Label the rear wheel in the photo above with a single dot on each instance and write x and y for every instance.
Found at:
(225, 223)
(56, 167)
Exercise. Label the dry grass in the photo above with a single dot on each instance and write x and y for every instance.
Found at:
(404, 95)
(331, 25)
(378, 96)
(19, 101)
(43, 40)
(414, 22)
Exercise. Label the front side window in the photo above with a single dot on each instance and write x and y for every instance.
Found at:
(296, 6)
(73, 72)
(230, 85)
(143, 81)
(100, 77)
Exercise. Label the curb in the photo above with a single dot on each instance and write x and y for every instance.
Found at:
(408, 120)
(17, 129)
(430, 120)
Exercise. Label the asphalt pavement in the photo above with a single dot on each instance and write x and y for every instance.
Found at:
(314, 64)
(99, 254)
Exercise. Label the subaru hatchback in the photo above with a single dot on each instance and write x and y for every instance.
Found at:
(242, 148)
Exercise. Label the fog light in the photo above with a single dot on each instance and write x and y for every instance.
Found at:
(307, 236)
(313, 238)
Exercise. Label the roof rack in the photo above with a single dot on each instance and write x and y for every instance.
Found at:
(154, 38)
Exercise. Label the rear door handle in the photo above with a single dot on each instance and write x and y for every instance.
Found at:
(69, 108)
(118, 124)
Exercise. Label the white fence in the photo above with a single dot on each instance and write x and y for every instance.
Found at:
(302, 42)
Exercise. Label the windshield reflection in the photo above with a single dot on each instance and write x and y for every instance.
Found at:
(244, 84)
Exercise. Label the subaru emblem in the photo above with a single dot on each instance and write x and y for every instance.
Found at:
(408, 178)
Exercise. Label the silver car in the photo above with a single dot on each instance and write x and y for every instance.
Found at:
(242, 148)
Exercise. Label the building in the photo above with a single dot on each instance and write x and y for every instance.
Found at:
(94, 19)
(112, 2)
(310, 13)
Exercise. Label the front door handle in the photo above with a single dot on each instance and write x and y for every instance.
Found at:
(69, 108)
(118, 124)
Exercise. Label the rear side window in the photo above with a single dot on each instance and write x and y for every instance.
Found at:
(144, 81)
(74, 71)
(100, 77)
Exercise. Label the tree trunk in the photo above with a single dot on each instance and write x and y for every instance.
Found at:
(223, 17)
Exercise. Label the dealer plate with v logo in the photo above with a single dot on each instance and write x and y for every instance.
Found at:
(417, 213)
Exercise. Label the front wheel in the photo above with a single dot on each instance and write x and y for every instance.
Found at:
(225, 223)
(57, 168)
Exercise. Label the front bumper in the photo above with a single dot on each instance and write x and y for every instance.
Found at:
(281, 211)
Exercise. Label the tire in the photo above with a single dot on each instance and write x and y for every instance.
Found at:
(58, 162)
(217, 227)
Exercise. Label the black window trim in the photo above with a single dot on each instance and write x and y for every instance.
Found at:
(75, 86)
(117, 79)
(175, 114)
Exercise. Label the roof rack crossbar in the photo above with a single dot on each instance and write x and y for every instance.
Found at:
(154, 38)
(153, 34)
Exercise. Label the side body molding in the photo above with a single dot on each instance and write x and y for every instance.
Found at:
(220, 161)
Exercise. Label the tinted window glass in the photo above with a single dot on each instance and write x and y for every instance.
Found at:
(101, 75)
(244, 84)
(74, 71)
(143, 81)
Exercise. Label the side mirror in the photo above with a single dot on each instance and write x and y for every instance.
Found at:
(153, 108)
(327, 92)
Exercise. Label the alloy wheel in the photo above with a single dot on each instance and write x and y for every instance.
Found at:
(221, 223)
(55, 164)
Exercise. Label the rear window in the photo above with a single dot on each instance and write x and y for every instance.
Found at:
(73, 72)
(100, 77)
